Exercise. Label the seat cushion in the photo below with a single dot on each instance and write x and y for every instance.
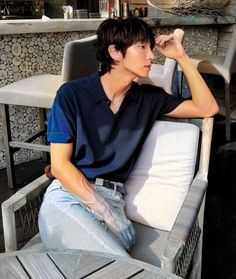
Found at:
(149, 244)
(162, 174)
(35, 91)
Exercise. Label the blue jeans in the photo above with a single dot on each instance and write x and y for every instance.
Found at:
(64, 222)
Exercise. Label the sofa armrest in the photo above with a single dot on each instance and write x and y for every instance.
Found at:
(185, 224)
(28, 195)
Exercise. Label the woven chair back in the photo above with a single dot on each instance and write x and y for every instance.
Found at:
(188, 5)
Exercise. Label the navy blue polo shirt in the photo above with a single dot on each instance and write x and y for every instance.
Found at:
(105, 144)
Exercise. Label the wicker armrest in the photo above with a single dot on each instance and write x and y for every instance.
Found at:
(189, 211)
(185, 230)
(25, 203)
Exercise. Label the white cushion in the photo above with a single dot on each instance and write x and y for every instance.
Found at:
(35, 91)
(162, 174)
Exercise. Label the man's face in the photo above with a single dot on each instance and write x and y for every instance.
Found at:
(138, 59)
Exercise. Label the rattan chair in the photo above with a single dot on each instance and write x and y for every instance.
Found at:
(39, 91)
(178, 250)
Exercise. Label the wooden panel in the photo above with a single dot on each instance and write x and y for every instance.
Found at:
(223, 43)
(71, 264)
(231, 9)
(40, 266)
(221, 51)
(224, 38)
(148, 275)
(117, 270)
(11, 268)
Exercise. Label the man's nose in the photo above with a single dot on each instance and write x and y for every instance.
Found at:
(151, 55)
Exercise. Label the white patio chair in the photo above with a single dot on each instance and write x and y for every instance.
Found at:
(39, 91)
(223, 66)
(169, 223)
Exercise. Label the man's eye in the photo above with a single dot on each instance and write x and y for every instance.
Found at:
(142, 46)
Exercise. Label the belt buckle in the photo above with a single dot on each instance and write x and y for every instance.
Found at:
(110, 184)
(99, 181)
(107, 183)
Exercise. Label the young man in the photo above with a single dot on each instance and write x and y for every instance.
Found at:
(97, 127)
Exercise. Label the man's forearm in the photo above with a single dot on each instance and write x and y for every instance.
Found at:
(201, 94)
(71, 178)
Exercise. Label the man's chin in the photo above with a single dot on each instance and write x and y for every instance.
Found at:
(144, 76)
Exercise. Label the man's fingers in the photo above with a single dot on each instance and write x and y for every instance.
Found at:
(162, 40)
(179, 33)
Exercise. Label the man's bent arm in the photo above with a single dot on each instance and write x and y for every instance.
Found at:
(203, 104)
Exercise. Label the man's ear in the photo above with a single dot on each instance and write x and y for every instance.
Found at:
(115, 54)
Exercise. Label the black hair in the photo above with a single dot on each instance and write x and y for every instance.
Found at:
(122, 33)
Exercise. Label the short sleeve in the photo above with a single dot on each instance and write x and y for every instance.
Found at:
(62, 120)
(170, 102)
(162, 102)
(165, 101)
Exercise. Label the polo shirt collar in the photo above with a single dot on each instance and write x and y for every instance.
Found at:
(99, 95)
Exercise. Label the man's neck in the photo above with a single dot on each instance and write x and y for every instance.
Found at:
(115, 87)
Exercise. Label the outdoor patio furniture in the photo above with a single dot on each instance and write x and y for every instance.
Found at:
(178, 249)
(39, 91)
(72, 263)
(223, 66)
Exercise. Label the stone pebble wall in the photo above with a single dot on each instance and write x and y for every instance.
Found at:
(226, 32)
(24, 55)
(230, 9)
(21, 56)
(197, 39)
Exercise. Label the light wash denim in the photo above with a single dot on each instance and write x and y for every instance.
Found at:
(64, 222)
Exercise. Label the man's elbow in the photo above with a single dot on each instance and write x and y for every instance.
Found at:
(55, 170)
(213, 110)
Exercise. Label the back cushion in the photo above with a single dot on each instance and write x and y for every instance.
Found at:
(162, 174)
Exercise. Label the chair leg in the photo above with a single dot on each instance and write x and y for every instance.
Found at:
(227, 112)
(42, 121)
(198, 252)
(180, 82)
(6, 132)
(197, 261)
